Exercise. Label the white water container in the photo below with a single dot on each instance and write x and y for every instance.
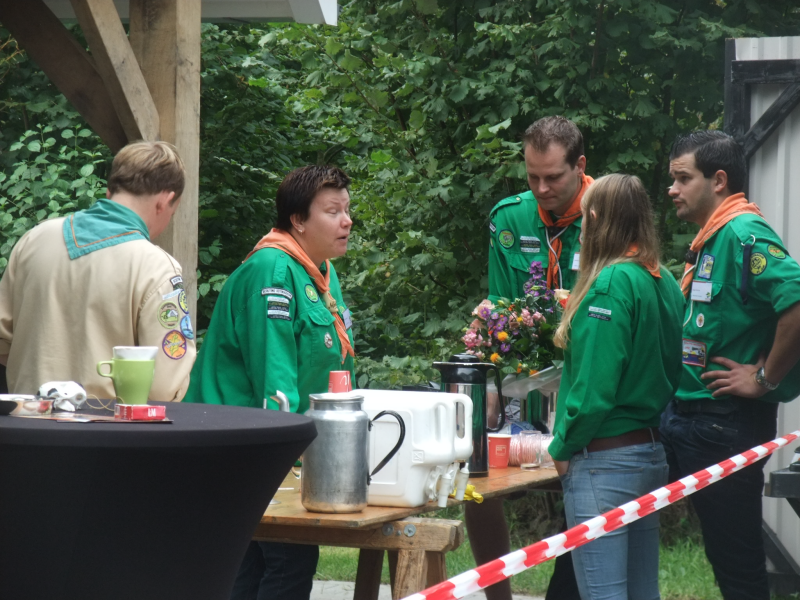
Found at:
(438, 433)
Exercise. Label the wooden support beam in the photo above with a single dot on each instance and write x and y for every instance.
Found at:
(435, 535)
(118, 67)
(771, 119)
(165, 37)
(368, 576)
(765, 71)
(412, 573)
(737, 100)
(66, 63)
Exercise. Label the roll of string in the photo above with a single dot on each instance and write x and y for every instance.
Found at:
(524, 448)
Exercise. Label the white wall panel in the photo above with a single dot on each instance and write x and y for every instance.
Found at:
(775, 187)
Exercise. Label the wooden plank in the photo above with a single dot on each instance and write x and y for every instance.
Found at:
(165, 38)
(439, 535)
(368, 576)
(412, 573)
(437, 568)
(66, 64)
(118, 67)
(500, 482)
(737, 100)
(765, 71)
(771, 119)
(391, 555)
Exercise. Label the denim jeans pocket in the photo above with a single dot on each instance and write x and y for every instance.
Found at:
(717, 433)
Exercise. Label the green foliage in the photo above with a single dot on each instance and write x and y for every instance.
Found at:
(52, 164)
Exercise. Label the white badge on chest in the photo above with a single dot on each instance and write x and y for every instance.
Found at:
(701, 291)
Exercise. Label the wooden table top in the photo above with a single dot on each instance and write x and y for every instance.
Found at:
(500, 482)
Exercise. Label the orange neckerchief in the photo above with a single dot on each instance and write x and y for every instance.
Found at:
(573, 214)
(731, 207)
(653, 269)
(283, 241)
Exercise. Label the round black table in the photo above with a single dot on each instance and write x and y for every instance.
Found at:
(106, 511)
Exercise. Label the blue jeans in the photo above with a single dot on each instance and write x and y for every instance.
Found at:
(276, 571)
(622, 564)
(730, 509)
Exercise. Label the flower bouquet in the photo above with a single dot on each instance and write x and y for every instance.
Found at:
(517, 335)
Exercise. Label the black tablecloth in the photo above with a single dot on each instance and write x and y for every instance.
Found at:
(103, 511)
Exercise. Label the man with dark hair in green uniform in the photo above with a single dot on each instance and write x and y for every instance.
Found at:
(741, 342)
(543, 224)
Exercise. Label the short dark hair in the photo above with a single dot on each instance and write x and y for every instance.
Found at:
(298, 188)
(147, 168)
(560, 130)
(714, 151)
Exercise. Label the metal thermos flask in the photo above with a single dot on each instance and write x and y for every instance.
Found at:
(465, 374)
(335, 465)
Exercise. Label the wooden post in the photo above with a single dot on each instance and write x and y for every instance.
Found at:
(165, 37)
(118, 67)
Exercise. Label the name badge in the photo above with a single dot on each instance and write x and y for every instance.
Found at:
(694, 353)
(348, 320)
(530, 244)
(576, 261)
(701, 291)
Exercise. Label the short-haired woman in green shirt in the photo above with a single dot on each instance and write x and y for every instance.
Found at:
(281, 324)
(621, 333)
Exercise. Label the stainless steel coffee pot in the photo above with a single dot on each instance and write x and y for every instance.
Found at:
(336, 464)
(465, 374)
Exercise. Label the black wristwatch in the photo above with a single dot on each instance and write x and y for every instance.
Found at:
(762, 381)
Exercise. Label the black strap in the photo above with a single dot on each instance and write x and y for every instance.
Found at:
(747, 250)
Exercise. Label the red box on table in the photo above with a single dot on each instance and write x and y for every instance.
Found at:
(140, 412)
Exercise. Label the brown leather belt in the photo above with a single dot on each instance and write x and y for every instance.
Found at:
(638, 436)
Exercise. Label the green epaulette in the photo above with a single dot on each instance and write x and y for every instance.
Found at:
(511, 200)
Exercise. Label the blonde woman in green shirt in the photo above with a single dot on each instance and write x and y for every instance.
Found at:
(621, 333)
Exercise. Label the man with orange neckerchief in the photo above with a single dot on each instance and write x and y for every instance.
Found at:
(543, 224)
(741, 344)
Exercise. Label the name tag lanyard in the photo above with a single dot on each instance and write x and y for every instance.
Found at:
(548, 240)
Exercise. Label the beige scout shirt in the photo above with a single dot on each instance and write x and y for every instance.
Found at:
(60, 317)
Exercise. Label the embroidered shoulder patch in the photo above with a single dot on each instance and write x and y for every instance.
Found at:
(278, 291)
(506, 238)
(595, 312)
(278, 308)
(186, 327)
(168, 314)
(182, 302)
(311, 293)
(177, 282)
(492, 227)
(758, 263)
(776, 252)
(174, 345)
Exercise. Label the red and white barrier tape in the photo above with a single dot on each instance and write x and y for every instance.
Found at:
(504, 567)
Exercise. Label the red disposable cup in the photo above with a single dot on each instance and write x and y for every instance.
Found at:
(499, 444)
(339, 381)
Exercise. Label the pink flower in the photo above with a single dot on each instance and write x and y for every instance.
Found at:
(527, 318)
(476, 324)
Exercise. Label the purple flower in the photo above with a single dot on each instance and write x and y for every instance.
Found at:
(505, 347)
(484, 312)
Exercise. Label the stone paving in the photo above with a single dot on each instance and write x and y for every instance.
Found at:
(340, 590)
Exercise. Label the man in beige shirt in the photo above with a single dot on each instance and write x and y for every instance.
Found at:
(77, 286)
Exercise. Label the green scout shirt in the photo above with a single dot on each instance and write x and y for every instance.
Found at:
(718, 323)
(623, 362)
(517, 237)
(270, 331)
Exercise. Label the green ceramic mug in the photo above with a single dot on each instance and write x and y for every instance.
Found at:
(131, 370)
